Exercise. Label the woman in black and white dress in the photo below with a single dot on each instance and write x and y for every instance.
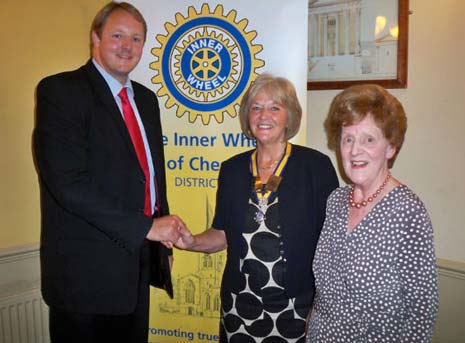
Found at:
(269, 212)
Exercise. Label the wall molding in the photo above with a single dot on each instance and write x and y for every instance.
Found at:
(19, 253)
(449, 268)
(20, 265)
(19, 270)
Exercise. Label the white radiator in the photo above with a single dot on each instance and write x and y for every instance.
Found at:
(24, 318)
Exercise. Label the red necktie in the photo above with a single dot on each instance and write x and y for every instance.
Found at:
(136, 138)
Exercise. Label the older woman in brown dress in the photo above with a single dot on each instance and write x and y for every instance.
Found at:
(374, 267)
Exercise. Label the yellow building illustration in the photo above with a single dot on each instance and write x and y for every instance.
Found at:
(197, 293)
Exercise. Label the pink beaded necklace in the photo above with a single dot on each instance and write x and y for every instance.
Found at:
(353, 203)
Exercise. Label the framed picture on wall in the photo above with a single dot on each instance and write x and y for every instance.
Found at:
(357, 41)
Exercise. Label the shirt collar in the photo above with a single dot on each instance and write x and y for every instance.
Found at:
(114, 84)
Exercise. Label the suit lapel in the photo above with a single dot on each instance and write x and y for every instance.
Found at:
(104, 100)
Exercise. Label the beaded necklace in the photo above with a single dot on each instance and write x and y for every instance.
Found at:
(353, 203)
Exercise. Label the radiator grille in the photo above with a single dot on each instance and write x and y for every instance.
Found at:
(24, 319)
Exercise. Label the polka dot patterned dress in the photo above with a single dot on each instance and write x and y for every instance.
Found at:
(261, 312)
(379, 282)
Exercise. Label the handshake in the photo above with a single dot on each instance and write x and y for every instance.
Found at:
(171, 231)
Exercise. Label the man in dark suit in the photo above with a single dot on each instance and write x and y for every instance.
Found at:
(99, 153)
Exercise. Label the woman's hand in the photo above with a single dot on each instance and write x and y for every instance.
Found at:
(209, 241)
(186, 239)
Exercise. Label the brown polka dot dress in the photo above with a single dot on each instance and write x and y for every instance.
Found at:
(379, 282)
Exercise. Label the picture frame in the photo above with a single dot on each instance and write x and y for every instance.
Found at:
(357, 41)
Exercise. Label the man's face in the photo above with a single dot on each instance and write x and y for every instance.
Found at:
(119, 48)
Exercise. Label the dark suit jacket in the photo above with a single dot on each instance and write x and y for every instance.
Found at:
(92, 193)
(308, 179)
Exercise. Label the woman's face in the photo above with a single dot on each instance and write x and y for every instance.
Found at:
(365, 153)
(267, 119)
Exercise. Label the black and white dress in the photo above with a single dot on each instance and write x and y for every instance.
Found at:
(261, 312)
(377, 283)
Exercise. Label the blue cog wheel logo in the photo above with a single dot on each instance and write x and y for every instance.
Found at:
(205, 63)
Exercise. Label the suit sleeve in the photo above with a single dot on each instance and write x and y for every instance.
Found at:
(61, 149)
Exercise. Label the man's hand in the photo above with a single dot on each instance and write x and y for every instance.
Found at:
(166, 230)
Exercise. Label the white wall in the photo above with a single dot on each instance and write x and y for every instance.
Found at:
(432, 160)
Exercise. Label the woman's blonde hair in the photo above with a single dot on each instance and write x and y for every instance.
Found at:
(280, 90)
